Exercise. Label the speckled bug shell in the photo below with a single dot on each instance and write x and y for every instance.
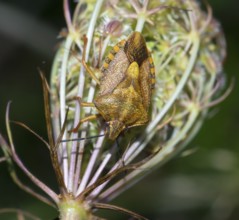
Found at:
(126, 86)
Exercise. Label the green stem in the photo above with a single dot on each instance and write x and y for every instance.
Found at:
(92, 26)
(140, 23)
(71, 210)
(67, 46)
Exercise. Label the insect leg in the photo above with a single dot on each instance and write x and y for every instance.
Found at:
(88, 69)
(88, 118)
(83, 104)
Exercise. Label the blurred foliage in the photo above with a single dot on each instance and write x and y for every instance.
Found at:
(204, 185)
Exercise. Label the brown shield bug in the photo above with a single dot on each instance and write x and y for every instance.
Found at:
(125, 88)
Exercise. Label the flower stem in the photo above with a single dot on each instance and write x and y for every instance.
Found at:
(70, 210)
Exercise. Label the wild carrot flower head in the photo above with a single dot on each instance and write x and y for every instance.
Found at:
(187, 48)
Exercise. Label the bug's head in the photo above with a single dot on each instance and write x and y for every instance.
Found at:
(114, 128)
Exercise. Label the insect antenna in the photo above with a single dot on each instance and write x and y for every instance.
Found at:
(100, 53)
(85, 138)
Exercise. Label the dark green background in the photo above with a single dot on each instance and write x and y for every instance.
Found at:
(202, 186)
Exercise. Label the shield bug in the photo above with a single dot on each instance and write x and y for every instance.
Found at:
(125, 88)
